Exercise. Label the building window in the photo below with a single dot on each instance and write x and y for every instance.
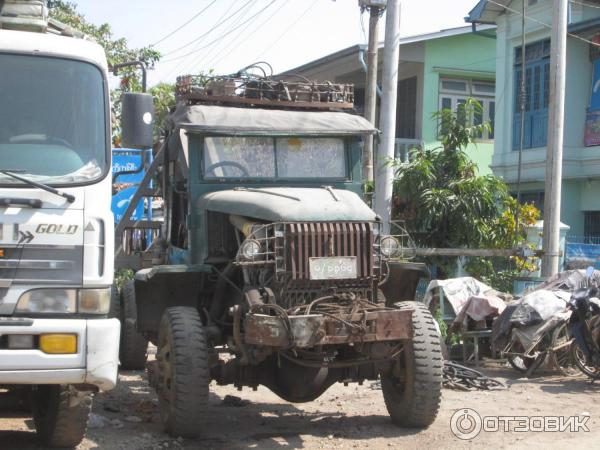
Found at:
(455, 92)
(406, 109)
(535, 198)
(537, 95)
(591, 225)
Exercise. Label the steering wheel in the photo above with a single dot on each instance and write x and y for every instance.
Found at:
(238, 166)
(37, 139)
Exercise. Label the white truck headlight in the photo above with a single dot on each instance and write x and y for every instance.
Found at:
(93, 301)
(250, 249)
(65, 301)
(48, 301)
(390, 246)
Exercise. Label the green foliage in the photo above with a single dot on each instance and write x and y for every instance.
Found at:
(164, 100)
(122, 276)
(439, 194)
(446, 204)
(117, 51)
(506, 232)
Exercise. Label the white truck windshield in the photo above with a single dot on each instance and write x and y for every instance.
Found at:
(52, 119)
(264, 157)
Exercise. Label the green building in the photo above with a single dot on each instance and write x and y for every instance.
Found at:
(581, 164)
(436, 70)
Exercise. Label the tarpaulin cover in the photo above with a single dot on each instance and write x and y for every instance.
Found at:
(468, 296)
(532, 314)
(232, 121)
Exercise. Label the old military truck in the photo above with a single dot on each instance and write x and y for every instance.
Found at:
(271, 267)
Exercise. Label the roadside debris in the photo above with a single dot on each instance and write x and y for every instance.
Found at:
(465, 379)
(234, 401)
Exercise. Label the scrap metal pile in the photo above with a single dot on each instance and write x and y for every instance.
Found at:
(465, 379)
(253, 86)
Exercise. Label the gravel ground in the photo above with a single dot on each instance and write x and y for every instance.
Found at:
(344, 417)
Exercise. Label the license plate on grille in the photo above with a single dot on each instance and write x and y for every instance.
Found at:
(333, 268)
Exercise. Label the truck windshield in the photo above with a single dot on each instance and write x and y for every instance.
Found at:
(264, 157)
(52, 120)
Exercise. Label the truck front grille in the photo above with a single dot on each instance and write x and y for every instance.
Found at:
(34, 264)
(308, 240)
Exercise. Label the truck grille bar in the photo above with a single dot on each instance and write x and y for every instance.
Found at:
(308, 240)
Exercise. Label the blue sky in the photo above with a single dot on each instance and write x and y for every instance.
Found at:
(286, 33)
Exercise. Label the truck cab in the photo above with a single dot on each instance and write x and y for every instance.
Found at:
(272, 269)
(58, 345)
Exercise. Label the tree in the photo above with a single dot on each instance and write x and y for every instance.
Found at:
(443, 200)
(116, 49)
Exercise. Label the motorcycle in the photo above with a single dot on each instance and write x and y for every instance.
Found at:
(584, 326)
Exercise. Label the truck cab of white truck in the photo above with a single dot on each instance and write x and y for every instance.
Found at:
(57, 344)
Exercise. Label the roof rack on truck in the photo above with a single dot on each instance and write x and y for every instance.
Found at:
(247, 88)
(32, 15)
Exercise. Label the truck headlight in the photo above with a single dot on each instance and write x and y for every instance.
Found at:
(250, 249)
(65, 301)
(390, 246)
(48, 301)
(94, 301)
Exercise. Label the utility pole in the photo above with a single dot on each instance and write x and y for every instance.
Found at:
(375, 9)
(387, 118)
(552, 200)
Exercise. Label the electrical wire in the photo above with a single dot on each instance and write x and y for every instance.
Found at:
(197, 61)
(539, 22)
(362, 26)
(194, 17)
(287, 30)
(214, 27)
(247, 37)
(176, 58)
(181, 68)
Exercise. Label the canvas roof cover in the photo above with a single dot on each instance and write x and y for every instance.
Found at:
(243, 121)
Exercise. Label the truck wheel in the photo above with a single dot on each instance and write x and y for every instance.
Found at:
(412, 389)
(183, 373)
(60, 414)
(133, 348)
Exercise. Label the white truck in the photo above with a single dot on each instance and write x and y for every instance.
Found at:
(57, 343)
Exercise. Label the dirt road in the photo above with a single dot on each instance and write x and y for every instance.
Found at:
(351, 417)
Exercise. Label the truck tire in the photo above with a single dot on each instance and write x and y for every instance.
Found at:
(60, 414)
(134, 347)
(114, 312)
(413, 400)
(183, 372)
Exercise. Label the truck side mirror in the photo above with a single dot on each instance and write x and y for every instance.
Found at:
(137, 120)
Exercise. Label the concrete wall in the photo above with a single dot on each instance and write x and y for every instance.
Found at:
(464, 56)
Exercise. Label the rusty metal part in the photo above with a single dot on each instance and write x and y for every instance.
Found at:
(307, 331)
(309, 240)
(247, 89)
(466, 379)
(236, 312)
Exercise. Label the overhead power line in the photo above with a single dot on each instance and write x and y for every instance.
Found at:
(539, 22)
(287, 30)
(223, 35)
(247, 37)
(214, 27)
(194, 17)
(186, 66)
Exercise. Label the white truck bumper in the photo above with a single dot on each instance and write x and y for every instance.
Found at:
(96, 361)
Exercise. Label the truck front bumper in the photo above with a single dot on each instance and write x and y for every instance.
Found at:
(94, 362)
(305, 331)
